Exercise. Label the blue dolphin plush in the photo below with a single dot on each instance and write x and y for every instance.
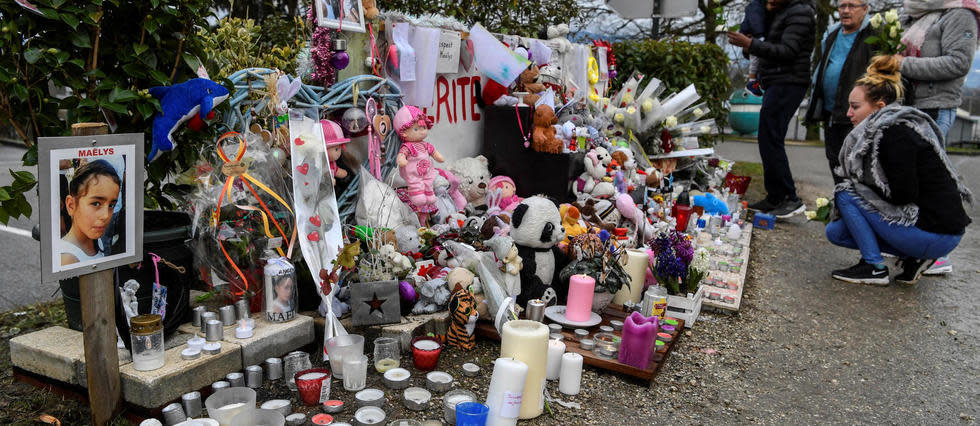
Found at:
(180, 102)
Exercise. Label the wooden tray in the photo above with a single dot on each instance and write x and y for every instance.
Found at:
(486, 330)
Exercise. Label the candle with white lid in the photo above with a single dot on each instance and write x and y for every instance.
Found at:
(527, 341)
(506, 391)
(556, 348)
(571, 374)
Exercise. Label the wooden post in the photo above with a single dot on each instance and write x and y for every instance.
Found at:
(99, 326)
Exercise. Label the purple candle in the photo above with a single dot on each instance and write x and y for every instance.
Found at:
(639, 337)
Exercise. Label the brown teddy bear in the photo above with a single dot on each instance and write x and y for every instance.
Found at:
(544, 139)
(530, 82)
(370, 9)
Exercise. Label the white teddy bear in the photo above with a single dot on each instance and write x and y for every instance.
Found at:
(474, 178)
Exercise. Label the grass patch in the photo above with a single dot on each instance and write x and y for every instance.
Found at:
(962, 150)
(756, 187)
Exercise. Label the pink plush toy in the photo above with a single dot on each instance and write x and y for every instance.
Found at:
(415, 157)
(334, 141)
(459, 200)
(508, 192)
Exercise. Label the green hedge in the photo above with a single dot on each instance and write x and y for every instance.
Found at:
(679, 64)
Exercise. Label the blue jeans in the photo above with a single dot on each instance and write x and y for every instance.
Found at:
(868, 232)
(944, 119)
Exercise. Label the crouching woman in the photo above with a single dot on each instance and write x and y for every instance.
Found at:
(899, 194)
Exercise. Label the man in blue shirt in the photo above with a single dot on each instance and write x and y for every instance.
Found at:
(844, 58)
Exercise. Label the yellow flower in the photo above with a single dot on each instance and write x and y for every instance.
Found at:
(876, 21)
(670, 121)
(619, 117)
(893, 32)
(698, 112)
(628, 98)
(705, 129)
(810, 214)
(891, 16)
(631, 110)
(822, 202)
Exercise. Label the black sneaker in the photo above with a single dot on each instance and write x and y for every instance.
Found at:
(763, 206)
(863, 273)
(789, 208)
(912, 269)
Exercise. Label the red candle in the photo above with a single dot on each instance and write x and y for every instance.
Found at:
(683, 215)
(425, 352)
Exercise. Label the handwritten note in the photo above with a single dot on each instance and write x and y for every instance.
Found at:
(449, 44)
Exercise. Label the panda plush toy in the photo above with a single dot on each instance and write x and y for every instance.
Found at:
(536, 229)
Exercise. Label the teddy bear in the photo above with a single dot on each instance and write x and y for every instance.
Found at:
(407, 239)
(529, 82)
(590, 213)
(370, 9)
(474, 177)
(433, 295)
(592, 182)
(544, 139)
(536, 230)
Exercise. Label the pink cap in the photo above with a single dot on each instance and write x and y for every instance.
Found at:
(494, 181)
(333, 135)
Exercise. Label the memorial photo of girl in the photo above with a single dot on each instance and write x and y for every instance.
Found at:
(89, 205)
(283, 294)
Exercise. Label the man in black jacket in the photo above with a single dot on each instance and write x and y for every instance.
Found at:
(784, 71)
(844, 59)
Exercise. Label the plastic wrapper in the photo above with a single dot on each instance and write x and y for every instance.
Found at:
(240, 212)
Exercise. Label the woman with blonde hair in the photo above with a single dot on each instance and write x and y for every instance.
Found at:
(899, 193)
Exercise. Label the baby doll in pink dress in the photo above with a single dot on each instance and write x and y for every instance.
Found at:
(416, 155)
(504, 188)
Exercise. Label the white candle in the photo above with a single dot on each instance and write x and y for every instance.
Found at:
(571, 373)
(556, 348)
(635, 262)
(527, 341)
(506, 392)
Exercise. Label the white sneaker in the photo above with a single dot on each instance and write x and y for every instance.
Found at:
(942, 266)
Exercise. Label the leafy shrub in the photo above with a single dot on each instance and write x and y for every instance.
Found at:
(84, 60)
(507, 17)
(237, 44)
(679, 64)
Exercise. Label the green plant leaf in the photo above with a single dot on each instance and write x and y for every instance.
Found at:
(23, 176)
(145, 109)
(30, 157)
(4, 196)
(159, 76)
(122, 95)
(61, 57)
(32, 55)
(24, 206)
(4, 216)
(70, 19)
(115, 108)
(81, 39)
(140, 48)
(57, 3)
(78, 63)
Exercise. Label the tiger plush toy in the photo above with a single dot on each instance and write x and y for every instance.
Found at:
(462, 309)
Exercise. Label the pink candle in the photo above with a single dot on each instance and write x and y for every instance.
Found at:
(581, 288)
(639, 338)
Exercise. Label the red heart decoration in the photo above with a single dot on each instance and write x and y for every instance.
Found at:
(303, 168)
(313, 236)
(315, 220)
(298, 141)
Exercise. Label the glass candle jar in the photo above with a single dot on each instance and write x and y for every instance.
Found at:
(146, 335)
(387, 354)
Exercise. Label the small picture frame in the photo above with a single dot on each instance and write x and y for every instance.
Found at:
(91, 203)
(345, 15)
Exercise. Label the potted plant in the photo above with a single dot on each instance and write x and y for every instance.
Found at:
(374, 288)
(599, 260)
(679, 268)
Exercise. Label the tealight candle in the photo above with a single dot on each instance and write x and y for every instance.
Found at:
(214, 331)
(190, 353)
(438, 381)
(212, 348)
(370, 397)
(244, 330)
(191, 402)
(664, 337)
(556, 349)
(470, 369)
(397, 378)
(369, 416)
(235, 379)
(571, 374)
(322, 419)
(333, 406)
(196, 342)
(661, 346)
(417, 399)
(296, 419)
(227, 315)
(453, 398)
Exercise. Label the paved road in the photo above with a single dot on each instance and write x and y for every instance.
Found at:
(20, 265)
(809, 349)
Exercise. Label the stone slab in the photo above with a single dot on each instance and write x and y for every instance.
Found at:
(53, 352)
(152, 389)
(272, 339)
